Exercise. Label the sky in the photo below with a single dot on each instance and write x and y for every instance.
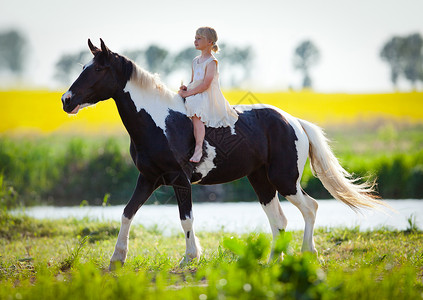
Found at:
(348, 34)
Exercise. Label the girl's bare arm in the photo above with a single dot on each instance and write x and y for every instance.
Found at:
(211, 70)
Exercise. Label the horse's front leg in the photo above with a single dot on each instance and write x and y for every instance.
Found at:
(143, 190)
(183, 195)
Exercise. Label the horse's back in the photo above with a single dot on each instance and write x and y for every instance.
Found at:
(264, 135)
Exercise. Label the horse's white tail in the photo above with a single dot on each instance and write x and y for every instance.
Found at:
(340, 184)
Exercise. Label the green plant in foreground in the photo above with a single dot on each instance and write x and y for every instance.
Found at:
(74, 256)
(297, 276)
(412, 224)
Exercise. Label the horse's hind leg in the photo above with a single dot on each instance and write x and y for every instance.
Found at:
(306, 204)
(285, 171)
(269, 200)
(308, 207)
(291, 190)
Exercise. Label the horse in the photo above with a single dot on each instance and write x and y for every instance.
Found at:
(266, 144)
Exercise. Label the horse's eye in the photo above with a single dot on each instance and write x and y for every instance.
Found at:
(98, 69)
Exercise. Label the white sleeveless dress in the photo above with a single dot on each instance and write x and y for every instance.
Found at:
(210, 106)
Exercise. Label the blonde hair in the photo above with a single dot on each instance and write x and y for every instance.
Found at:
(210, 34)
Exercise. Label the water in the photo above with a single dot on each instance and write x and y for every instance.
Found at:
(244, 217)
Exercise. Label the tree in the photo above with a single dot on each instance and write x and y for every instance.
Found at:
(405, 57)
(155, 57)
(413, 57)
(306, 55)
(134, 55)
(392, 53)
(184, 58)
(69, 65)
(233, 59)
(12, 51)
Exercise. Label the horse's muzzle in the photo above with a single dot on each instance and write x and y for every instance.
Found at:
(66, 101)
(66, 97)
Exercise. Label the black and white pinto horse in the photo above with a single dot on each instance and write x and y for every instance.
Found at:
(266, 144)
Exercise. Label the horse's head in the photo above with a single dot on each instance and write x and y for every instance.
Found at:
(97, 82)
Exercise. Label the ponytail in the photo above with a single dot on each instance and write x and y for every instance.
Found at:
(215, 48)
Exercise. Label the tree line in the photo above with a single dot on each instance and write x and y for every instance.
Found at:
(403, 54)
(236, 62)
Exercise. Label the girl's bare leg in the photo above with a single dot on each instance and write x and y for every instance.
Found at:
(199, 132)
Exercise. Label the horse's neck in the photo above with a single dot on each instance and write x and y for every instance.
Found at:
(154, 102)
(141, 109)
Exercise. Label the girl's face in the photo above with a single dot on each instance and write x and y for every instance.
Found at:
(201, 42)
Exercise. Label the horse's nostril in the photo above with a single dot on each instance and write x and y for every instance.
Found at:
(65, 101)
(66, 98)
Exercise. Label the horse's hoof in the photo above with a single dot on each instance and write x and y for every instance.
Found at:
(184, 261)
(275, 258)
(187, 260)
(114, 265)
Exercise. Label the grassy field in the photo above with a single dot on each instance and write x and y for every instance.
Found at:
(68, 259)
(46, 157)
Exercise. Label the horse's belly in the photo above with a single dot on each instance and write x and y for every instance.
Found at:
(221, 169)
(220, 177)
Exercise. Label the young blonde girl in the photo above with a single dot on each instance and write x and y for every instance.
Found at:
(204, 100)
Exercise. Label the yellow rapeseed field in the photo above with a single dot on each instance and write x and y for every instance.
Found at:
(41, 111)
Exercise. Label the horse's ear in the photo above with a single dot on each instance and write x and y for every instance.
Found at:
(94, 49)
(104, 48)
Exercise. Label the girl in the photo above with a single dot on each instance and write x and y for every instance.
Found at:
(204, 101)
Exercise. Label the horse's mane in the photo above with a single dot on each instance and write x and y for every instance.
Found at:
(148, 81)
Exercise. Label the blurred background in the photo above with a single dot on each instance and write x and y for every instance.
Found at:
(347, 46)
(354, 68)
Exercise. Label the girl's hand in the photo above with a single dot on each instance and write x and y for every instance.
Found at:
(183, 93)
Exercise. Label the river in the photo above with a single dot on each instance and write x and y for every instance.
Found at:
(244, 217)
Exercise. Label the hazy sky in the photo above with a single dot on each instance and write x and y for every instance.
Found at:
(349, 34)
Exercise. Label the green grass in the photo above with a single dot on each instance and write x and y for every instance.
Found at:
(55, 169)
(68, 259)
